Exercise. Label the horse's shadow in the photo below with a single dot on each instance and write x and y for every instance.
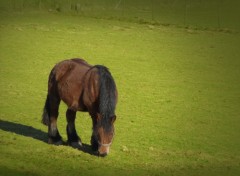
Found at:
(29, 131)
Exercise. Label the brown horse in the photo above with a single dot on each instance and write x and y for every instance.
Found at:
(83, 88)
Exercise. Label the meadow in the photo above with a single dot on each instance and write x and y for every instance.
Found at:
(178, 110)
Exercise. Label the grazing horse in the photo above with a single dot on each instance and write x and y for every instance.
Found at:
(83, 88)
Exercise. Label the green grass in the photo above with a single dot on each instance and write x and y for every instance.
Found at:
(179, 99)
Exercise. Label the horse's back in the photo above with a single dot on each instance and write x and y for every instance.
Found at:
(68, 77)
(65, 67)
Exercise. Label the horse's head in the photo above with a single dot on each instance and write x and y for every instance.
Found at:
(103, 134)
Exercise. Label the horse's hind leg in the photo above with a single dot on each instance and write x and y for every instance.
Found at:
(53, 134)
(73, 138)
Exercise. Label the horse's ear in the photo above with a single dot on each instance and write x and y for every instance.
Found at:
(113, 119)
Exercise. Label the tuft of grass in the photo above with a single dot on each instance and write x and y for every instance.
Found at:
(178, 110)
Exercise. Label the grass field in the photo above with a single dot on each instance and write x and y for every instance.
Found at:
(179, 99)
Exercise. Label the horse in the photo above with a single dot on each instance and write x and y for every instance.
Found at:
(86, 88)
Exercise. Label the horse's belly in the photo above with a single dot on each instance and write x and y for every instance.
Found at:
(74, 105)
(71, 96)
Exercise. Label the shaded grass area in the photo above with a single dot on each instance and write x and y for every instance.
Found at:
(211, 14)
(178, 111)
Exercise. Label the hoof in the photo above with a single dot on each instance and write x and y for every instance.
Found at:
(60, 142)
(76, 145)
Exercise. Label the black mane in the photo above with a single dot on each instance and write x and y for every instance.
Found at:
(107, 98)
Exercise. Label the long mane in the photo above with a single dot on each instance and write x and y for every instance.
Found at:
(107, 96)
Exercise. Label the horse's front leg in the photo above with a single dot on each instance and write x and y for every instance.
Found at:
(94, 142)
(73, 139)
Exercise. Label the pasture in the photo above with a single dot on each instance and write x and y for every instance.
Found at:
(178, 110)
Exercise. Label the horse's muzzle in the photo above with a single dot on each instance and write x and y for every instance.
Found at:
(103, 150)
(102, 154)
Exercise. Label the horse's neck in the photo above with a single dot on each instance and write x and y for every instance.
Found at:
(91, 89)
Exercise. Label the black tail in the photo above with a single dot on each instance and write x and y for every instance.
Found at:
(45, 115)
(107, 98)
